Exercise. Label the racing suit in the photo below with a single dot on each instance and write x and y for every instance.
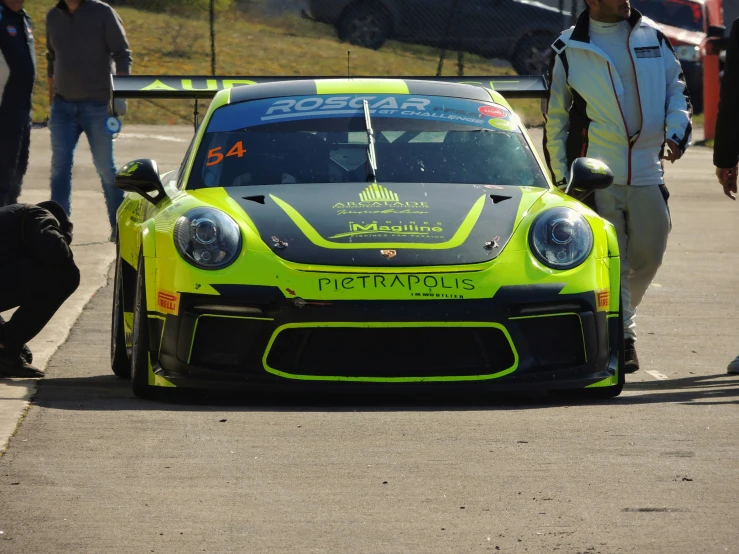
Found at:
(17, 75)
(621, 113)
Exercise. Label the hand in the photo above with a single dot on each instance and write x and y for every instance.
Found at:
(728, 177)
(674, 153)
(120, 106)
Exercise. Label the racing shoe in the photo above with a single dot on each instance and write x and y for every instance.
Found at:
(733, 366)
(632, 360)
(13, 365)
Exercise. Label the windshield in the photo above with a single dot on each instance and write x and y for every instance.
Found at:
(324, 139)
(677, 13)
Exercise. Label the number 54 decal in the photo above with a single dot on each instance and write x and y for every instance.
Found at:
(215, 156)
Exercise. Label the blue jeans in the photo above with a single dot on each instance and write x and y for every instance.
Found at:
(67, 122)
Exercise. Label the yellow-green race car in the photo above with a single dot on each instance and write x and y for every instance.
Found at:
(380, 233)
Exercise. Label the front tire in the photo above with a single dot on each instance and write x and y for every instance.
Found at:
(604, 393)
(120, 356)
(140, 355)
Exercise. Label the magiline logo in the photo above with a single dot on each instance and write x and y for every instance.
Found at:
(411, 228)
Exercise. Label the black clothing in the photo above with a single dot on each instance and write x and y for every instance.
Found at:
(17, 75)
(15, 142)
(18, 60)
(726, 143)
(37, 270)
(30, 231)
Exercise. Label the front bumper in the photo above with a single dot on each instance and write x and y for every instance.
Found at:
(524, 338)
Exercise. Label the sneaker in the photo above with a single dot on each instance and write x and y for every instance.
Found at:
(632, 360)
(14, 366)
(733, 366)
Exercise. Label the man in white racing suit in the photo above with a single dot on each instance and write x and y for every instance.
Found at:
(618, 94)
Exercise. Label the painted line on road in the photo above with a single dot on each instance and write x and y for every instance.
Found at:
(657, 375)
(155, 137)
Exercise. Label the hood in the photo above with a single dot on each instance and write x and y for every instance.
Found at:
(387, 225)
(679, 36)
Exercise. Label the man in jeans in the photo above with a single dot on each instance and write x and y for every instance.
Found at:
(618, 94)
(83, 38)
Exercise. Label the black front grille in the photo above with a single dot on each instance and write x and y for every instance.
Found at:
(554, 341)
(391, 352)
(224, 341)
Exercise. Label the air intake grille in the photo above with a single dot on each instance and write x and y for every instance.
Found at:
(391, 352)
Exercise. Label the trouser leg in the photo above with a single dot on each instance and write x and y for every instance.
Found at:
(12, 132)
(648, 224)
(21, 165)
(65, 133)
(37, 291)
(101, 146)
(611, 205)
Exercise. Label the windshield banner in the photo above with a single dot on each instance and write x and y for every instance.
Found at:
(297, 108)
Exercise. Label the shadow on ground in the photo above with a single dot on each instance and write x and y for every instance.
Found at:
(108, 393)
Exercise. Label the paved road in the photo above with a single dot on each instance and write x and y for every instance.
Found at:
(92, 469)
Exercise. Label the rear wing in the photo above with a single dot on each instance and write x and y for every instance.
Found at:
(194, 87)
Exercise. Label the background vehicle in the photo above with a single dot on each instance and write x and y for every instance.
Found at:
(519, 31)
(687, 23)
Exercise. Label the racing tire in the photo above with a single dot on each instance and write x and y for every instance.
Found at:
(532, 55)
(140, 355)
(364, 24)
(604, 393)
(120, 356)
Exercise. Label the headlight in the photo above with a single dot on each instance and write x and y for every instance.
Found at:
(687, 53)
(207, 238)
(561, 238)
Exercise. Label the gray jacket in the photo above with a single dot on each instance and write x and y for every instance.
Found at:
(81, 47)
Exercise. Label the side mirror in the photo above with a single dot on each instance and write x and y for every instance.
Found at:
(141, 177)
(586, 176)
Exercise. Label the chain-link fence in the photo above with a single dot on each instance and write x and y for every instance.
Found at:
(340, 37)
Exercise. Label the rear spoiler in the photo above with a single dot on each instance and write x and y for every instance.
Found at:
(194, 87)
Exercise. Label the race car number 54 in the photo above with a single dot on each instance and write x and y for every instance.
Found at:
(215, 156)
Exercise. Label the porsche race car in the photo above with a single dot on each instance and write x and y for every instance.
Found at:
(387, 233)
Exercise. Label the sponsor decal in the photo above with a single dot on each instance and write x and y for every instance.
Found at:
(388, 253)
(128, 171)
(289, 107)
(168, 302)
(187, 84)
(648, 52)
(503, 124)
(393, 228)
(603, 298)
(493, 111)
(376, 199)
(417, 285)
(596, 166)
(12, 31)
(296, 108)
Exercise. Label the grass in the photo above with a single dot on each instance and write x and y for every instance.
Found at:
(249, 44)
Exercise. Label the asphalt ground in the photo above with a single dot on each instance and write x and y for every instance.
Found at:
(93, 469)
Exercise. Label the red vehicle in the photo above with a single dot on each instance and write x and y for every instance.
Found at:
(687, 23)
